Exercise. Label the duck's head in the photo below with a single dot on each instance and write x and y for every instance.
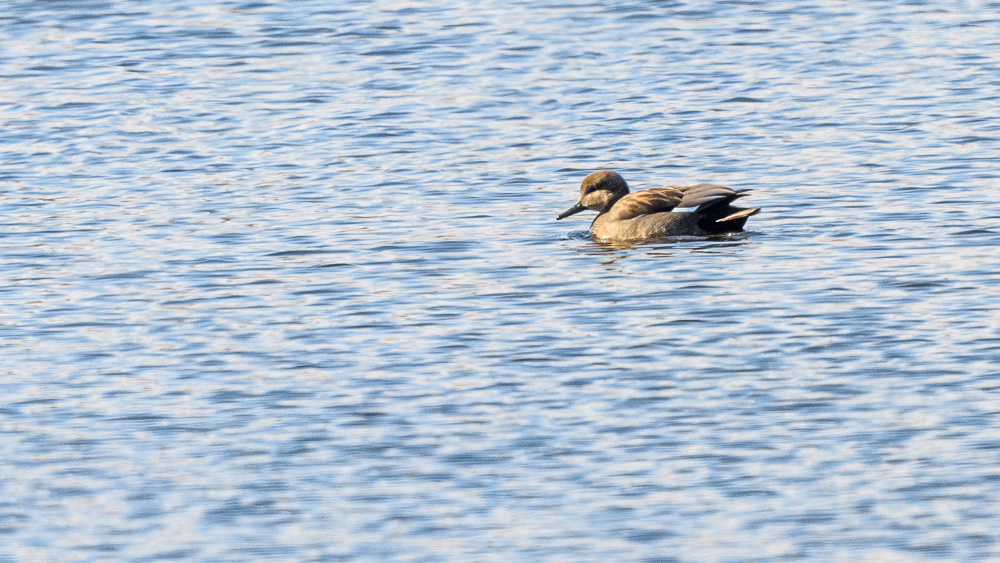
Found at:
(598, 191)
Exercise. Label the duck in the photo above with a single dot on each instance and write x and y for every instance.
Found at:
(647, 215)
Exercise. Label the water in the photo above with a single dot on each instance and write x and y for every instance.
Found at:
(282, 282)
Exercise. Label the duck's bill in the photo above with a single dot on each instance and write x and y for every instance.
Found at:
(572, 211)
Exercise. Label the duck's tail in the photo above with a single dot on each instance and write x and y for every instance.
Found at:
(740, 214)
(726, 218)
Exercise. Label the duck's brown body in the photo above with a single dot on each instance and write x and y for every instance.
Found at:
(648, 215)
(646, 227)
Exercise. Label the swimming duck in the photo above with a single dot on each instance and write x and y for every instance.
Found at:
(648, 215)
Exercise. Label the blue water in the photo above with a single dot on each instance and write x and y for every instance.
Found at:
(282, 282)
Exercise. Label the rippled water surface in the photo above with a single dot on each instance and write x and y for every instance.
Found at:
(282, 282)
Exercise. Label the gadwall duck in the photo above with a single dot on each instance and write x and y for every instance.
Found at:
(647, 214)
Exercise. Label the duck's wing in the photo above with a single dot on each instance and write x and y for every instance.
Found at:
(704, 196)
(645, 202)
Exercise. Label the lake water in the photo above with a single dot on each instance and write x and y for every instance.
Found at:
(282, 281)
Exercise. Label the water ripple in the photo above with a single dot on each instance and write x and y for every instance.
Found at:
(283, 282)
